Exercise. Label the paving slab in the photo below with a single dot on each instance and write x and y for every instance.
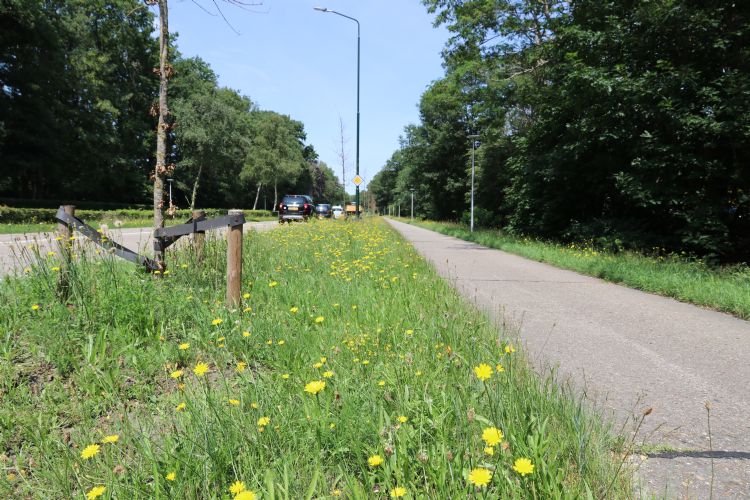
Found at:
(629, 351)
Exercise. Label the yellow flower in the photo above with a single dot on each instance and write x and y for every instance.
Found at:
(315, 386)
(480, 477)
(234, 402)
(381, 383)
(245, 295)
(183, 346)
(418, 374)
(317, 365)
(263, 421)
(90, 451)
(35, 307)
(217, 321)
(489, 451)
(110, 439)
(95, 492)
(285, 376)
(323, 359)
(375, 460)
(237, 488)
(509, 349)
(245, 334)
(366, 362)
(294, 310)
(499, 368)
(176, 374)
(55, 269)
(254, 405)
(171, 476)
(180, 407)
(328, 374)
(523, 466)
(273, 284)
(403, 419)
(483, 371)
(245, 495)
(200, 369)
(247, 309)
(398, 492)
(410, 332)
(241, 366)
(281, 342)
(492, 436)
(319, 319)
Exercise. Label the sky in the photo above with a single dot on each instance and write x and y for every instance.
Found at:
(300, 62)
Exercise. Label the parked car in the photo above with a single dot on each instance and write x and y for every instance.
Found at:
(295, 207)
(323, 210)
(337, 211)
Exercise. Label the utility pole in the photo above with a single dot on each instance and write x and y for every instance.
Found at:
(412, 203)
(473, 143)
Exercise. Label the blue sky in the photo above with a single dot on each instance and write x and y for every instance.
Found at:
(294, 60)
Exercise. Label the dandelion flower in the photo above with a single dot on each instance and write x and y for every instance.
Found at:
(483, 371)
(90, 451)
(217, 321)
(410, 332)
(245, 495)
(273, 284)
(285, 376)
(315, 386)
(294, 310)
(281, 342)
(241, 366)
(35, 307)
(237, 488)
(381, 383)
(328, 374)
(317, 365)
(176, 374)
(319, 319)
(398, 492)
(234, 402)
(492, 436)
(489, 451)
(523, 466)
(403, 419)
(200, 369)
(375, 460)
(180, 407)
(184, 346)
(263, 421)
(95, 492)
(171, 476)
(110, 439)
(509, 349)
(480, 477)
(499, 368)
(55, 269)
(245, 295)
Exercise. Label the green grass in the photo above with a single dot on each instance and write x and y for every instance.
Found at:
(725, 289)
(350, 304)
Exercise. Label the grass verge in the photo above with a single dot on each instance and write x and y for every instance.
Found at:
(724, 289)
(350, 370)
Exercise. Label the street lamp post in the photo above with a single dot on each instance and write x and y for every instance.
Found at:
(412, 203)
(324, 9)
(473, 143)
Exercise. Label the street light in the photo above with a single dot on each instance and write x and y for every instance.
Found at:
(473, 143)
(324, 9)
(412, 203)
(170, 191)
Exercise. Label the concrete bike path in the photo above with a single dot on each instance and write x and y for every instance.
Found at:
(629, 351)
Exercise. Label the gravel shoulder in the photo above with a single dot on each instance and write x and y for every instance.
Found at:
(629, 351)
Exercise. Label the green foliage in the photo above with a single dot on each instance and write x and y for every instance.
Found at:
(622, 122)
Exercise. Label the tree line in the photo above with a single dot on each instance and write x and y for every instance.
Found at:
(78, 113)
(625, 123)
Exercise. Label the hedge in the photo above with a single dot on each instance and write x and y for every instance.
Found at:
(13, 215)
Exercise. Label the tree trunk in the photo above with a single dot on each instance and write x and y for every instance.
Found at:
(195, 188)
(275, 195)
(257, 195)
(161, 130)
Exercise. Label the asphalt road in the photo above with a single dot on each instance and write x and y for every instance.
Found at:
(629, 351)
(14, 246)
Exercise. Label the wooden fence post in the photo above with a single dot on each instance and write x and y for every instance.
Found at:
(199, 237)
(64, 234)
(234, 262)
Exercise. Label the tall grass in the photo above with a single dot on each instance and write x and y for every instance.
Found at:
(347, 304)
(689, 280)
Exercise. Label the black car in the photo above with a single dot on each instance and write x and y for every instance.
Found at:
(323, 210)
(295, 207)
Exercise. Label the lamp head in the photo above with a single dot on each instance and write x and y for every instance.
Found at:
(321, 9)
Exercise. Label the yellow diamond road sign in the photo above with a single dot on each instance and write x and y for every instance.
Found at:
(358, 180)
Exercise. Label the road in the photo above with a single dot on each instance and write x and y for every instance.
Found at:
(137, 239)
(629, 351)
